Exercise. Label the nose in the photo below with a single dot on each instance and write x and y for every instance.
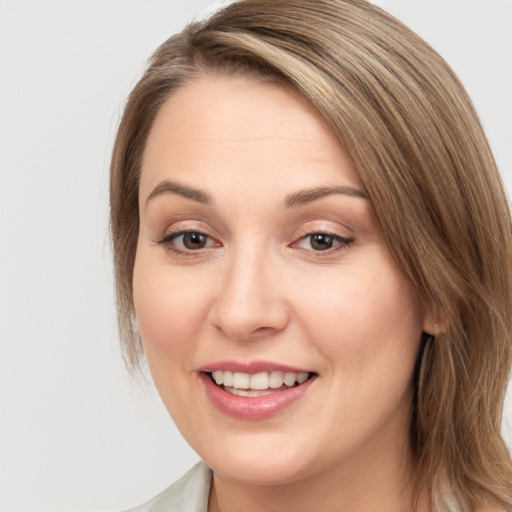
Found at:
(249, 303)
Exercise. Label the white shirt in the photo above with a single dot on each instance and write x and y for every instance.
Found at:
(189, 494)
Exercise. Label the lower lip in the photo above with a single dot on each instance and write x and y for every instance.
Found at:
(253, 408)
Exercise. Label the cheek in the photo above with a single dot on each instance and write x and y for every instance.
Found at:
(366, 316)
(168, 306)
(367, 326)
(168, 311)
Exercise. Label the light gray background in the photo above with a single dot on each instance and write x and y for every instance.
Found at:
(75, 432)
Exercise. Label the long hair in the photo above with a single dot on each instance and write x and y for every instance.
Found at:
(404, 118)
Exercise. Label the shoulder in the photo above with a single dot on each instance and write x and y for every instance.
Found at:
(188, 494)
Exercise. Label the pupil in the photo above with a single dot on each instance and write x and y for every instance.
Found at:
(194, 240)
(321, 242)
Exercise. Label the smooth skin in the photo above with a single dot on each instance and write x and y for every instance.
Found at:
(228, 267)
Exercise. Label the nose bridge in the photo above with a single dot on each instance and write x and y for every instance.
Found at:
(248, 303)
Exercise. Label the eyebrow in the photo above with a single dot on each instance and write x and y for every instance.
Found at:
(307, 196)
(172, 187)
(294, 200)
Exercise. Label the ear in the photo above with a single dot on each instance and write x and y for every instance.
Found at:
(435, 321)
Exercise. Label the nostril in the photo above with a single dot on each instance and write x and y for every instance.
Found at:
(262, 330)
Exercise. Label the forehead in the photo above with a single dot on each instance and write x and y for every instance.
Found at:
(234, 127)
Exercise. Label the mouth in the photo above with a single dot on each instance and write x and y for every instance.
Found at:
(255, 390)
(258, 384)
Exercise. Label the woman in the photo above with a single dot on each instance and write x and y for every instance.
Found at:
(313, 253)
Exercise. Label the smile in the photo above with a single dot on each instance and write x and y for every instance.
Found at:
(258, 384)
(255, 394)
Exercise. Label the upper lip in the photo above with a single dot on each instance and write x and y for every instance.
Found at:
(251, 367)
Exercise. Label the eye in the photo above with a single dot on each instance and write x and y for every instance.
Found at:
(323, 242)
(191, 240)
(187, 242)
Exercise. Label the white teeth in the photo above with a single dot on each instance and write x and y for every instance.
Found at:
(257, 381)
(276, 380)
(227, 379)
(301, 377)
(241, 380)
(290, 378)
(248, 392)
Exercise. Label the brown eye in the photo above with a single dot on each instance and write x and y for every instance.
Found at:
(187, 242)
(193, 241)
(321, 242)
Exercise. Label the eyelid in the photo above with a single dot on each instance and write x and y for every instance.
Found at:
(344, 241)
(313, 228)
(186, 225)
(307, 230)
(167, 239)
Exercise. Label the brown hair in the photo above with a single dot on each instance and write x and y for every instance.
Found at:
(409, 126)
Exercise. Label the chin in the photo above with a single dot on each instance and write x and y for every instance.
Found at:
(258, 471)
(258, 459)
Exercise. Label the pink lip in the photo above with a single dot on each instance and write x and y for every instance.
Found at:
(252, 408)
(250, 367)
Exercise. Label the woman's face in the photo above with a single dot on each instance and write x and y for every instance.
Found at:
(260, 258)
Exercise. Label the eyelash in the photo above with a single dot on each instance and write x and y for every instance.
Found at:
(343, 242)
(167, 242)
